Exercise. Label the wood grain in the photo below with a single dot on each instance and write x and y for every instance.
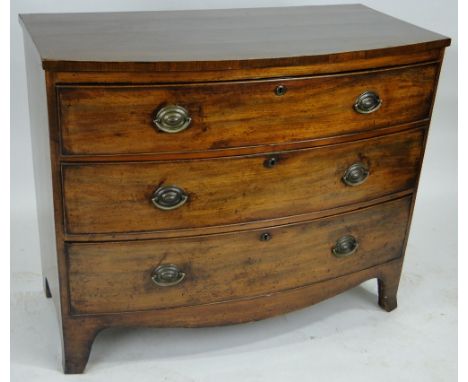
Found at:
(351, 61)
(42, 153)
(220, 39)
(115, 277)
(82, 330)
(98, 159)
(118, 120)
(249, 150)
(279, 221)
(115, 198)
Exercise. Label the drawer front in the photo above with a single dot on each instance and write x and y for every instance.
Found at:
(119, 119)
(113, 198)
(126, 276)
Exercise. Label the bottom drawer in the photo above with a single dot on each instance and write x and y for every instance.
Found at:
(164, 273)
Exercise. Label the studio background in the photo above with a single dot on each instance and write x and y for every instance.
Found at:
(345, 337)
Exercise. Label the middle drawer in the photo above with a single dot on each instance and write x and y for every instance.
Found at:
(137, 197)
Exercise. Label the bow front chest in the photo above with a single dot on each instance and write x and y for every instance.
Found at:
(198, 168)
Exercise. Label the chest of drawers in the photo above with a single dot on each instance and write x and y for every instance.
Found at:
(201, 168)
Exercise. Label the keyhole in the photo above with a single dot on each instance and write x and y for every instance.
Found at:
(270, 162)
(265, 236)
(280, 90)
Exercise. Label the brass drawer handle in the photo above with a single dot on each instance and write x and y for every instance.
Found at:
(345, 246)
(167, 275)
(367, 103)
(169, 197)
(172, 119)
(356, 174)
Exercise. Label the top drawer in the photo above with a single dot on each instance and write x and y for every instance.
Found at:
(223, 115)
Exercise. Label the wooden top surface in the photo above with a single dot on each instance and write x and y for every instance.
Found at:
(187, 39)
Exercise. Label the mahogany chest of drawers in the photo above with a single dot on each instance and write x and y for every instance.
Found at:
(198, 168)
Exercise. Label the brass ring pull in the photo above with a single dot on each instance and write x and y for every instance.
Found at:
(172, 119)
(356, 174)
(169, 197)
(167, 275)
(367, 103)
(345, 246)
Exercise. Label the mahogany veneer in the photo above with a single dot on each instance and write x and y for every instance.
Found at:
(198, 168)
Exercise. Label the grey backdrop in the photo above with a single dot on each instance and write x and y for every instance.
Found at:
(419, 339)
